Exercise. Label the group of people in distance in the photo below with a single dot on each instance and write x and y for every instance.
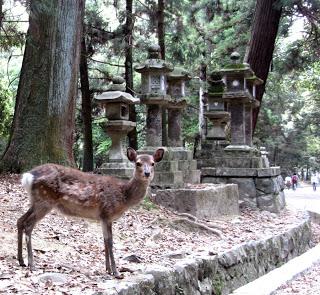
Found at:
(292, 181)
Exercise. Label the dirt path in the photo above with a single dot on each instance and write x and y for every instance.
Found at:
(69, 256)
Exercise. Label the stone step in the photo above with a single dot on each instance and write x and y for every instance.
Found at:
(208, 202)
(187, 165)
(164, 165)
(120, 173)
(232, 162)
(192, 176)
(168, 179)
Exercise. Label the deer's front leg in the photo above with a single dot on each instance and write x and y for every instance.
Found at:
(108, 243)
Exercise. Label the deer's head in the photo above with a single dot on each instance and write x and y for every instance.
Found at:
(144, 169)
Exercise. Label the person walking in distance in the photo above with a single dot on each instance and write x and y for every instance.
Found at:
(294, 180)
(287, 182)
(314, 181)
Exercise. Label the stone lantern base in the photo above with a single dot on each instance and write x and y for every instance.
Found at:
(118, 165)
(176, 169)
(259, 186)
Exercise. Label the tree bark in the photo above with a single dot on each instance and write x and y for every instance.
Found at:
(263, 37)
(161, 31)
(86, 110)
(1, 15)
(161, 42)
(132, 135)
(202, 119)
(43, 124)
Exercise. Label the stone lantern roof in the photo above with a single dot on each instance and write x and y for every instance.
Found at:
(179, 74)
(154, 63)
(216, 85)
(254, 80)
(237, 68)
(116, 93)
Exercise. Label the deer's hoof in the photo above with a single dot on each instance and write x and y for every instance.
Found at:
(119, 276)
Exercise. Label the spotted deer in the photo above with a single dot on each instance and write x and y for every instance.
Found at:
(76, 193)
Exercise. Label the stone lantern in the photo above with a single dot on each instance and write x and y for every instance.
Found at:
(240, 102)
(215, 107)
(252, 83)
(154, 93)
(176, 89)
(116, 103)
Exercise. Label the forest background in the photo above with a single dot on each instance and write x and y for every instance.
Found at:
(111, 36)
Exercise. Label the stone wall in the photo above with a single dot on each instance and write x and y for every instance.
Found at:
(258, 187)
(218, 274)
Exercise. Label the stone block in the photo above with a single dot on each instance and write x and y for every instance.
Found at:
(268, 172)
(238, 172)
(191, 176)
(187, 165)
(122, 170)
(209, 202)
(269, 203)
(208, 171)
(281, 182)
(267, 186)
(246, 187)
(167, 166)
(165, 179)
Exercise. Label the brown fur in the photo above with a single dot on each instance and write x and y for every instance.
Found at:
(76, 193)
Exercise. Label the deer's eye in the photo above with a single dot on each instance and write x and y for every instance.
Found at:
(152, 164)
(138, 164)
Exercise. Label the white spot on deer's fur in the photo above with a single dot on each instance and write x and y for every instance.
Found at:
(26, 181)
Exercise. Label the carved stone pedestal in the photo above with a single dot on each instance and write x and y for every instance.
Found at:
(118, 164)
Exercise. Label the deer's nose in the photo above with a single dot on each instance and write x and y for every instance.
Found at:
(147, 174)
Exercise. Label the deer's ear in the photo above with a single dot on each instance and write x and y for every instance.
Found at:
(131, 154)
(158, 155)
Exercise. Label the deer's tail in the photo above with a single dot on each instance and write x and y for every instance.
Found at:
(26, 181)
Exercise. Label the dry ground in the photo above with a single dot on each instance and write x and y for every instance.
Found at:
(72, 248)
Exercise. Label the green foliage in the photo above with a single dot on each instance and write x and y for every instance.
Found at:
(147, 204)
(5, 110)
(196, 32)
(6, 115)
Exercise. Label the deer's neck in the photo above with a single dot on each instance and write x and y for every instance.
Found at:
(136, 190)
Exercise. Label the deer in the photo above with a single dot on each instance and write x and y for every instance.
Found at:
(75, 193)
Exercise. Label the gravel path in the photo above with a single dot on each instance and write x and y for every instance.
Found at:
(307, 283)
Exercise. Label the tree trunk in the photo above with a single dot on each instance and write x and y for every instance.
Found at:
(86, 110)
(1, 16)
(161, 32)
(263, 36)
(202, 119)
(43, 123)
(161, 41)
(132, 135)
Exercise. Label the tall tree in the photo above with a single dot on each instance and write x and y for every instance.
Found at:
(133, 138)
(161, 41)
(43, 125)
(263, 37)
(86, 110)
(160, 28)
(1, 15)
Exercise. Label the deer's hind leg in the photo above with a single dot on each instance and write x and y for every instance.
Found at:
(108, 245)
(25, 225)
